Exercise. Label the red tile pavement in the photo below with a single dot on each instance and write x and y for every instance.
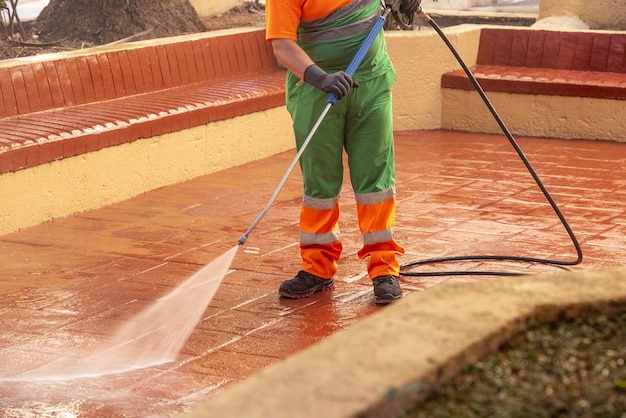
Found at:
(67, 284)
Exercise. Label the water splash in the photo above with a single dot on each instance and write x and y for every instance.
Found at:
(155, 336)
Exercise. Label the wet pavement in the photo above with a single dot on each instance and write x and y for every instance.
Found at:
(68, 284)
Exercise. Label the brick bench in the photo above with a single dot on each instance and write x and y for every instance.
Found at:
(581, 64)
(63, 105)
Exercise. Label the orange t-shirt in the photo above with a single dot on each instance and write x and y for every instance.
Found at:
(282, 17)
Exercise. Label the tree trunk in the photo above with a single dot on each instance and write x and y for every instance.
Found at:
(103, 21)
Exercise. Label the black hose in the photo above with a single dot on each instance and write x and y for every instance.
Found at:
(519, 151)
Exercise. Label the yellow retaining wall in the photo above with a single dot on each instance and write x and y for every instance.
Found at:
(113, 174)
(420, 57)
(535, 115)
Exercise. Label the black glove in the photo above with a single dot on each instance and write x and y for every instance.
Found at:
(409, 7)
(339, 83)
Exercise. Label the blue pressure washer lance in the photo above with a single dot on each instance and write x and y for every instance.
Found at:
(352, 67)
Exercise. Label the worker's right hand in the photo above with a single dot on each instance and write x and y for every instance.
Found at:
(339, 83)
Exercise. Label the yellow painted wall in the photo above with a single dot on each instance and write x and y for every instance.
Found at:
(535, 115)
(113, 174)
(420, 57)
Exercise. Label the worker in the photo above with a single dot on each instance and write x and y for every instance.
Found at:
(316, 40)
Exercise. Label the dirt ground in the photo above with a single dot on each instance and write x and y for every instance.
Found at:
(248, 14)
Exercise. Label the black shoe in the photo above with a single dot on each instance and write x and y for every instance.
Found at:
(386, 289)
(304, 285)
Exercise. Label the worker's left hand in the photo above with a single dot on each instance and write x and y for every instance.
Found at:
(338, 83)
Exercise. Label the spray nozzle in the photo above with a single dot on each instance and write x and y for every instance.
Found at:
(242, 240)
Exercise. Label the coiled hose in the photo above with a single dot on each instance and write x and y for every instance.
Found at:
(404, 268)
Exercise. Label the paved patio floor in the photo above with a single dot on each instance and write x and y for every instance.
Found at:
(69, 284)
